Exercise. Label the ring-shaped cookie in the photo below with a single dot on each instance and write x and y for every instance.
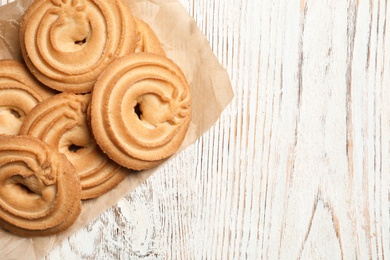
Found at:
(147, 40)
(141, 110)
(19, 93)
(62, 122)
(67, 43)
(39, 189)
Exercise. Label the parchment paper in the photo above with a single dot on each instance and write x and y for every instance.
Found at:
(187, 46)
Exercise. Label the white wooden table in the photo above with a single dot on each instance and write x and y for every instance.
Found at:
(298, 166)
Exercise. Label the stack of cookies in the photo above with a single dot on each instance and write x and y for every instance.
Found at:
(94, 98)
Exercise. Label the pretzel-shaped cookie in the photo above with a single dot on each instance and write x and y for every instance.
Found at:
(61, 121)
(39, 190)
(67, 43)
(19, 93)
(141, 110)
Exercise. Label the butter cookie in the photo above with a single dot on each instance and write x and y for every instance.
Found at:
(19, 93)
(67, 43)
(147, 40)
(141, 110)
(39, 189)
(61, 121)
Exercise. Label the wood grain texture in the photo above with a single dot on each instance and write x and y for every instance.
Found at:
(298, 165)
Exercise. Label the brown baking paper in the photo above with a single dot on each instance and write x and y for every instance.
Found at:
(187, 46)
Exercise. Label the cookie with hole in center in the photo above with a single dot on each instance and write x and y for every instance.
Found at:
(19, 93)
(147, 40)
(67, 43)
(141, 110)
(61, 121)
(39, 189)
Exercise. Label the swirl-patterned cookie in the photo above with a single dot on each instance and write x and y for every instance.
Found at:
(19, 93)
(67, 43)
(39, 190)
(141, 110)
(147, 40)
(62, 122)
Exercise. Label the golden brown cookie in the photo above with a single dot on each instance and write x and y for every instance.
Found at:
(147, 39)
(61, 121)
(141, 110)
(19, 93)
(39, 189)
(67, 43)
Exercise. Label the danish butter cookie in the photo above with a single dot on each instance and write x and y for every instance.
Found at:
(141, 110)
(61, 121)
(39, 189)
(147, 39)
(19, 93)
(67, 43)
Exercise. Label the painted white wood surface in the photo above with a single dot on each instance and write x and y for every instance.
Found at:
(298, 166)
